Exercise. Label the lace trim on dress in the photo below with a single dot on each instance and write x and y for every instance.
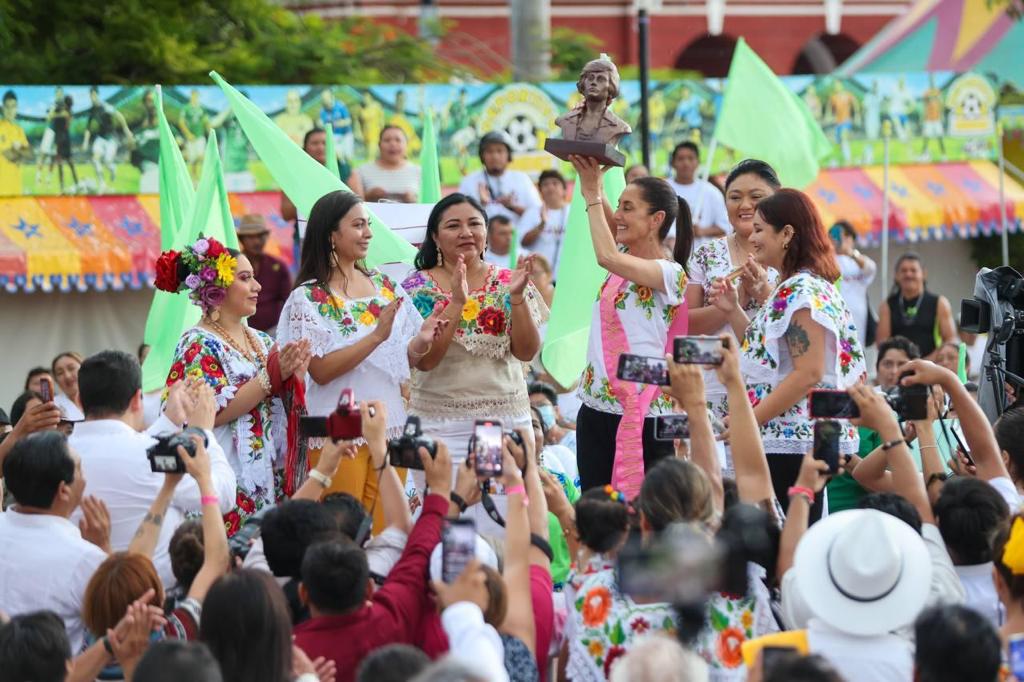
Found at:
(515, 405)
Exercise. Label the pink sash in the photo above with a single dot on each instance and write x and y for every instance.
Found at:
(628, 470)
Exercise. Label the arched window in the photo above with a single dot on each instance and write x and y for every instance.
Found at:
(709, 55)
(824, 52)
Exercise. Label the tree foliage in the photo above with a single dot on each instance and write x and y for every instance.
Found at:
(570, 50)
(180, 41)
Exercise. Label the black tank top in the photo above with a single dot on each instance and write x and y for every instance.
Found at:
(915, 319)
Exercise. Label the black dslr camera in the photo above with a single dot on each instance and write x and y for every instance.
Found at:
(163, 456)
(404, 450)
(910, 403)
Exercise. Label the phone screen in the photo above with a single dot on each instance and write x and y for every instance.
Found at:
(487, 450)
(643, 369)
(826, 404)
(671, 427)
(46, 389)
(826, 443)
(458, 547)
(697, 350)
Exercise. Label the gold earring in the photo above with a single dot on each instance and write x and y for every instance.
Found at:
(440, 257)
(214, 315)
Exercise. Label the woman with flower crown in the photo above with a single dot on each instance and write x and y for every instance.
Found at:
(475, 368)
(258, 387)
(363, 334)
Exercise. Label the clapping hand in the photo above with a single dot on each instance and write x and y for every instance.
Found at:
(755, 280)
(724, 296)
(179, 402)
(203, 405)
(95, 522)
(460, 287)
(521, 276)
(386, 320)
(294, 359)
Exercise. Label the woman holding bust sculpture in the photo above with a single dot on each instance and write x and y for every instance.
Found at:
(592, 119)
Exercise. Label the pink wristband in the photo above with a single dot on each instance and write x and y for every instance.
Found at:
(519, 490)
(209, 499)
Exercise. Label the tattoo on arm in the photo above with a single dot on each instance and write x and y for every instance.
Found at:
(797, 339)
(154, 519)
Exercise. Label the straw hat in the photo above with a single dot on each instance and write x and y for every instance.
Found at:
(252, 225)
(863, 572)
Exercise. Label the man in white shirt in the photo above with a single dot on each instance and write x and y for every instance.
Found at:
(44, 561)
(542, 228)
(858, 272)
(707, 205)
(113, 451)
(500, 190)
(499, 243)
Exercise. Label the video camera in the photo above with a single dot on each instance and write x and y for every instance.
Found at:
(403, 452)
(163, 455)
(997, 309)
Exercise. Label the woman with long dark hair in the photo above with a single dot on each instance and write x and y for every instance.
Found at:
(803, 337)
(641, 307)
(363, 333)
(474, 370)
(914, 312)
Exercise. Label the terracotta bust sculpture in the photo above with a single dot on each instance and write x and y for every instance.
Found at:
(591, 125)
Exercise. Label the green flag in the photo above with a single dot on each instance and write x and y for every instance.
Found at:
(331, 154)
(580, 277)
(210, 215)
(761, 118)
(174, 178)
(430, 172)
(301, 177)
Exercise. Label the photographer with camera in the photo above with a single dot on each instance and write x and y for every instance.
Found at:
(114, 450)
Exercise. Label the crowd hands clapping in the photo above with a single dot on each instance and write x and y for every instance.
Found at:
(213, 542)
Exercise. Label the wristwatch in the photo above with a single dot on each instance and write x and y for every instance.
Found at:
(322, 479)
(458, 501)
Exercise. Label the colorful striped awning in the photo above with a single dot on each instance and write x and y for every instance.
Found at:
(102, 242)
(929, 201)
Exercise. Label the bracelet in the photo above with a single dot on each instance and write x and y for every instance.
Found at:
(321, 478)
(888, 445)
(802, 491)
(423, 354)
(264, 379)
(519, 490)
(209, 499)
(596, 203)
(521, 300)
(106, 645)
(458, 501)
(925, 447)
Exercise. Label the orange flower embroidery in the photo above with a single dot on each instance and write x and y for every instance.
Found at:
(728, 647)
(596, 606)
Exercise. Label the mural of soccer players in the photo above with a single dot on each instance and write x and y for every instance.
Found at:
(47, 146)
(688, 116)
(461, 131)
(104, 125)
(334, 112)
(370, 118)
(843, 111)
(812, 102)
(900, 105)
(14, 147)
(931, 127)
(235, 151)
(398, 118)
(292, 120)
(146, 154)
(194, 124)
(872, 112)
(61, 125)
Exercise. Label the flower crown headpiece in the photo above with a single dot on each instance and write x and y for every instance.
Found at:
(205, 269)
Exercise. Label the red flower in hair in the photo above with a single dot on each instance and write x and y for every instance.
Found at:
(167, 271)
(216, 248)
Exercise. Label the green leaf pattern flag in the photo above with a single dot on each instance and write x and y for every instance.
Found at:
(209, 214)
(580, 277)
(761, 118)
(301, 177)
(430, 171)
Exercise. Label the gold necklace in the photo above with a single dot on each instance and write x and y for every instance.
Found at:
(743, 253)
(253, 355)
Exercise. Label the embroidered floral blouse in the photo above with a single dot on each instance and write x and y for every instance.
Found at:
(331, 323)
(603, 622)
(251, 442)
(646, 314)
(765, 359)
(710, 262)
(478, 376)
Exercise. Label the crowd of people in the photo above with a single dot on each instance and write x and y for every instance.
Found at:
(258, 527)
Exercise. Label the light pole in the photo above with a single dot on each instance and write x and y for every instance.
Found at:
(644, 8)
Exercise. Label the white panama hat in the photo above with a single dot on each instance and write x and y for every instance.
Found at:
(863, 572)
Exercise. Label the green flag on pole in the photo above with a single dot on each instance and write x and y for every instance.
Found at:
(209, 214)
(430, 172)
(331, 154)
(580, 277)
(301, 177)
(174, 176)
(761, 118)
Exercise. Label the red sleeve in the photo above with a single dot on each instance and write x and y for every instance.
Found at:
(399, 604)
(543, 615)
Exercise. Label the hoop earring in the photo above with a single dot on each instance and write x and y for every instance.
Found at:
(334, 257)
